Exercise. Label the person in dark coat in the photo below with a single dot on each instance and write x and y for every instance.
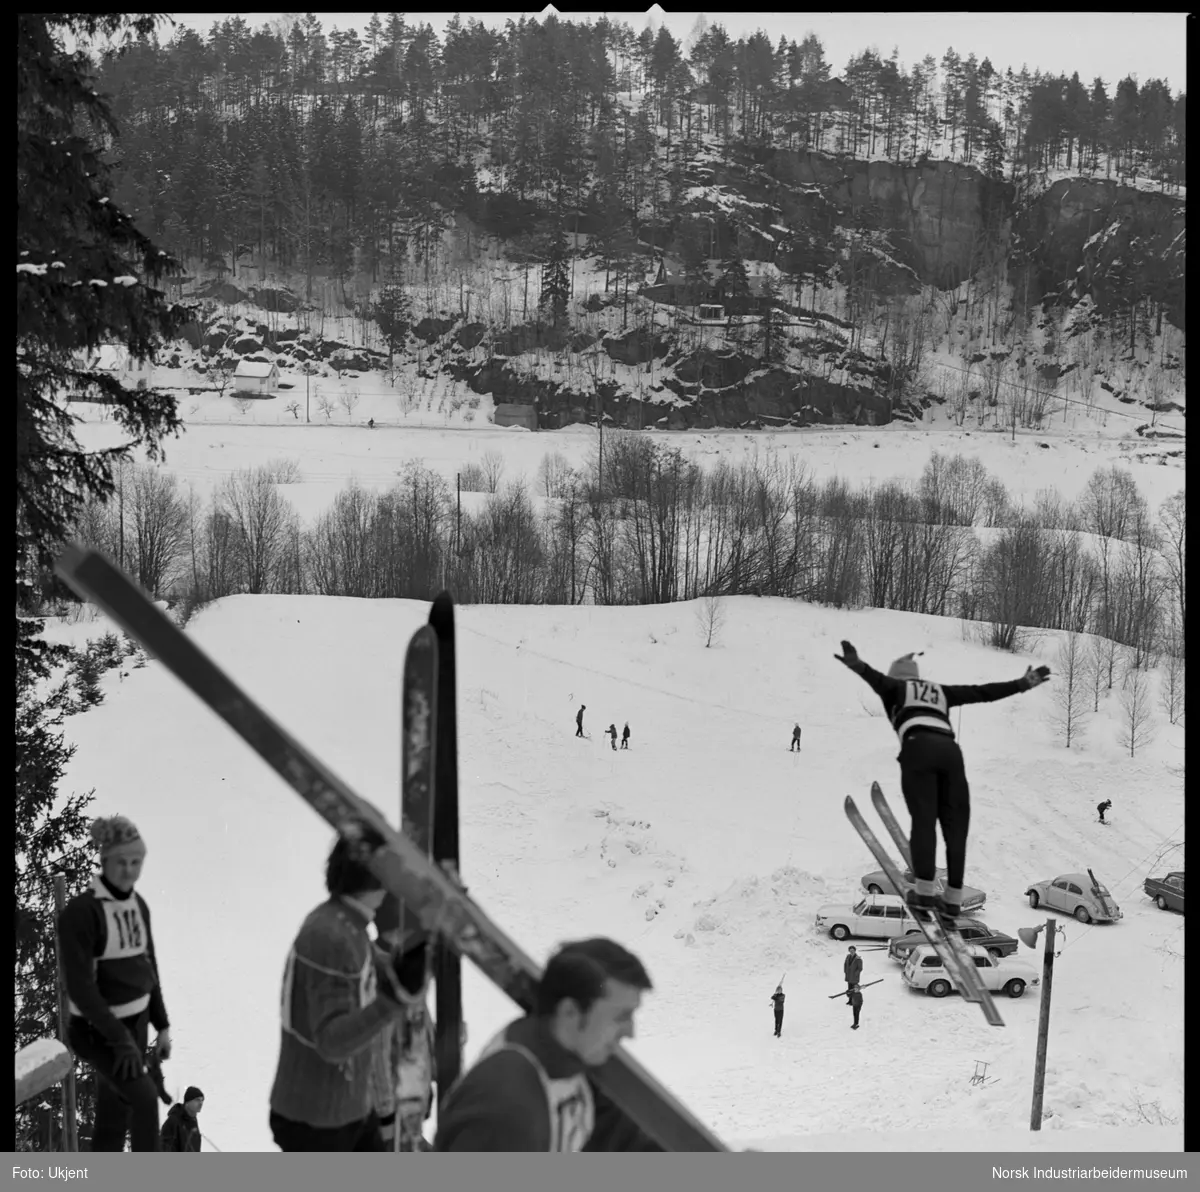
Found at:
(1103, 807)
(579, 720)
(181, 1131)
(932, 775)
(852, 967)
(612, 732)
(795, 740)
(625, 737)
(777, 1000)
(113, 991)
(531, 1088)
(854, 1001)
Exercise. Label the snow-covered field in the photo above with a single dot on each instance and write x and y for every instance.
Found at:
(706, 848)
(329, 456)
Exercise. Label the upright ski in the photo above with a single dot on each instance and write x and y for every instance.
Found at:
(891, 824)
(402, 867)
(948, 944)
(413, 1052)
(447, 969)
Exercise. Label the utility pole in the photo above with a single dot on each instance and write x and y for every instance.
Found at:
(307, 374)
(1028, 936)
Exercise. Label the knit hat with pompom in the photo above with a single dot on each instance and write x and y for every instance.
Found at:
(110, 832)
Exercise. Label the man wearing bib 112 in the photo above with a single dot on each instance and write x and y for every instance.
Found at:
(932, 776)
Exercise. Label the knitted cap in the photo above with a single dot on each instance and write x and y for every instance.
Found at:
(110, 832)
(904, 668)
(192, 1093)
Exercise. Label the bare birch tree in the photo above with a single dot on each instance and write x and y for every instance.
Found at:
(710, 615)
(1069, 693)
(1137, 710)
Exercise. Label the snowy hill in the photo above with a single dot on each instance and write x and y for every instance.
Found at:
(706, 848)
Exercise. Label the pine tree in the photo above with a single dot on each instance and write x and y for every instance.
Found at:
(734, 284)
(774, 324)
(85, 277)
(556, 277)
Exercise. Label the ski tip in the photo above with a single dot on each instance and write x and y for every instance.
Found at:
(442, 607)
(849, 803)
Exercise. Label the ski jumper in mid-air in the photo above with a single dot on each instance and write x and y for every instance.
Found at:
(932, 776)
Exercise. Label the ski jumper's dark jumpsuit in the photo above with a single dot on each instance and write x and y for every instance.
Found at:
(932, 776)
(777, 998)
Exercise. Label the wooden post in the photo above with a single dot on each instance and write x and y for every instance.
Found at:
(1039, 1070)
(70, 1134)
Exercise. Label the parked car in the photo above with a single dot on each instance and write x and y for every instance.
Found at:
(972, 930)
(924, 970)
(878, 916)
(1166, 891)
(1076, 894)
(878, 882)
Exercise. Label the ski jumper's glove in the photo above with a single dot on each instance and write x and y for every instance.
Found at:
(130, 1063)
(403, 975)
(1037, 674)
(849, 657)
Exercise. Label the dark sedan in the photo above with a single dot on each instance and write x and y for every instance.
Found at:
(1166, 891)
(974, 932)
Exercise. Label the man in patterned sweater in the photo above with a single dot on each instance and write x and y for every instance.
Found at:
(932, 775)
(113, 993)
(530, 1090)
(340, 996)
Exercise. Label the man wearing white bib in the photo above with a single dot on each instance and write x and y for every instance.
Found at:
(113, 993)
(529, 1090)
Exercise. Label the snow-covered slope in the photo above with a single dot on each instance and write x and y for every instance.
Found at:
(706, 848)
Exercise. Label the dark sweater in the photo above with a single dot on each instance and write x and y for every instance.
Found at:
(334, 1043)
(528, 1093)
(108, 959)
(918, 703)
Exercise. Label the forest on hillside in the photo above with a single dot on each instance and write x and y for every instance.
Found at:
(342, 151)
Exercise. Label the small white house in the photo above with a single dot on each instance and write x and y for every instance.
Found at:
(256, 377)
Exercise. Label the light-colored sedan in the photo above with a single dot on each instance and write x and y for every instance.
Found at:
(878, 916)
(1075, 894)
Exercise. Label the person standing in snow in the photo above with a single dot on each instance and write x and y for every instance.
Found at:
(625, 737)
(340, 996)
(932, 775)
(852, 967)
(579, 720)
(1102, 808)
(777, 999)
(530, 1089)
(181, 1131)
(795, 740)
(113, 991)
(612, 732)
(854, 1001)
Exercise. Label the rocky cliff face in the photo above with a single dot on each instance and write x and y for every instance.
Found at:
(1086, 236)
(937, 211)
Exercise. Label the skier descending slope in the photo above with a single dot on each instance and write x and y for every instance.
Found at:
(932, 776)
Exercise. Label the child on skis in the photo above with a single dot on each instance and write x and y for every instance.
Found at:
(932, 776)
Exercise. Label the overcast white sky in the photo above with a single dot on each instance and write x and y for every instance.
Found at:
(1109, 44)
